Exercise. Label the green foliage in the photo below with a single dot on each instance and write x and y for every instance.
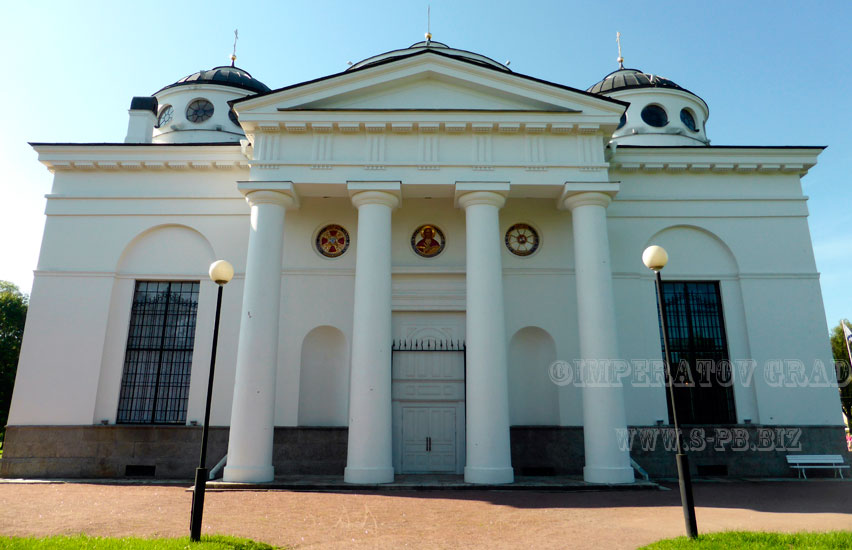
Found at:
(82, 542)
(13, 314)
(832, 540)
(838, 345)
(844, 372)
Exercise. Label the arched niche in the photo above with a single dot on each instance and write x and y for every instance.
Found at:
(533, 397)
(167, 250)
(694, 252)
(324, 379)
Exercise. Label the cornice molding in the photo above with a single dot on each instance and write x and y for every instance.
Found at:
(110, 157)
(715, 160)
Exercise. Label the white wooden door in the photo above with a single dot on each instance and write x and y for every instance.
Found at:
(428, 439)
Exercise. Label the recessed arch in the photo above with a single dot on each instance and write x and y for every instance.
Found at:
(167, 250)
(324, 379)
(533, 397)
(694, 251)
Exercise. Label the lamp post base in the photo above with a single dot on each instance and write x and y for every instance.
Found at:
(197, 513)
(685, 482)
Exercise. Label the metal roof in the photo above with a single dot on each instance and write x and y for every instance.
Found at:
(632, 78)
(225, 76)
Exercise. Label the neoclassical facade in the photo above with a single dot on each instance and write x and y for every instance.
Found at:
(438, 271)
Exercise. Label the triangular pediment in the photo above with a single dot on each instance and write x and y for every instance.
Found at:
(428, 81)
(431, 91)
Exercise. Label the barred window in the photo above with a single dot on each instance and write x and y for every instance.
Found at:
(703, 383)
(158, 360)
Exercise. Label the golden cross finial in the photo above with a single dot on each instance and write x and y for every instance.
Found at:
(428, 24)
(234, 53)
(620, 59)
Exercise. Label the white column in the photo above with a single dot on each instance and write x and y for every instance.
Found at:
(603, 404)
(487, 402)
(369, 457)
(253, 409)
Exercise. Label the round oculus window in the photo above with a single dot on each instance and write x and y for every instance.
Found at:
(655, 116)
(622, 121)
(428, 241)
(521, 239)
(332, 241)
(688, 120)
(199, 111)
(165, 116)
(233, 117)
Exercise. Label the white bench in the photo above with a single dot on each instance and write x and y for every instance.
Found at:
(803, 462)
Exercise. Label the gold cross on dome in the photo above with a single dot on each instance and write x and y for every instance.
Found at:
(620, 59)
(234, 53)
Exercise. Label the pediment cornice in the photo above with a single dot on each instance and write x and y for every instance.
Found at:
(536, 94)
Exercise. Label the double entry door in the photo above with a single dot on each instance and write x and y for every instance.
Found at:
(428, 438)
(428, 408)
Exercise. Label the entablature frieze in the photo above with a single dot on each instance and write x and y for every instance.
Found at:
(450, 125)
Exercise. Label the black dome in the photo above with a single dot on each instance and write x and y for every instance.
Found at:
(623, 79)
(225, 76)
(431, 45)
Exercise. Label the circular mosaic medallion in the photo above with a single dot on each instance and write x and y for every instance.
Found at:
(332, 241)
(428, 241)
(521, 239)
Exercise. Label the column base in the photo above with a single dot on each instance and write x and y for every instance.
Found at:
(368, 475)
(488, 476)
(597, 474)
(248, 474)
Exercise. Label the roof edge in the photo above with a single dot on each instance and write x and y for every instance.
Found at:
(440, 54)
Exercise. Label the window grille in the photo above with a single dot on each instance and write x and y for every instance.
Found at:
(699, 352)
(158, 360)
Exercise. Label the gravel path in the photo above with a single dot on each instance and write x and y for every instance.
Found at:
(425, 519)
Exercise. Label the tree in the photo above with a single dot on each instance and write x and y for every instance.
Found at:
(13, 314)
(844, 372)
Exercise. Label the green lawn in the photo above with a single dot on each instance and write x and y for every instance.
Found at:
(82, 542)
(833, 540)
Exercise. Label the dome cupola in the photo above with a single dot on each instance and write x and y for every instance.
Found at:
(660, 112)
(433, 46)
(195, 109)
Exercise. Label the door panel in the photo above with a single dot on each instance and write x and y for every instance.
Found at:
(428, 439)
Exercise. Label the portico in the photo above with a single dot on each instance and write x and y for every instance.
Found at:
(510, 138)
(486, 406)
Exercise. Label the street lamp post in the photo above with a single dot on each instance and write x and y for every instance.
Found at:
(221, 273)
(655, 258)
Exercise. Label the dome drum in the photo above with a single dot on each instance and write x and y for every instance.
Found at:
(197, 114)
(661, 117)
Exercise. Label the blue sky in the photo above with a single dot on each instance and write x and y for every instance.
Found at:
(773, 73)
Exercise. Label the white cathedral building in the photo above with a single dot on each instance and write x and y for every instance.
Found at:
(438, 271)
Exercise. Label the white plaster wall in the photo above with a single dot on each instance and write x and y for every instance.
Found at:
(103, 232)
(758, 247)
(60, 357)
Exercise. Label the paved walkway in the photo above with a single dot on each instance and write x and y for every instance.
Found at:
(424, 519)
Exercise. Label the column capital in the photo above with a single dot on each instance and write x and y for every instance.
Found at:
(590, 198)
(500, 188)
(269, 192)
(490, 198)
(384, 198)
